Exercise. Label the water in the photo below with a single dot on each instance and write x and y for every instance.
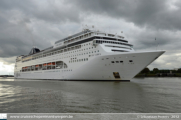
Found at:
(141, 95)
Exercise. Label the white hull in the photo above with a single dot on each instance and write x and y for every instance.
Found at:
(98, 69)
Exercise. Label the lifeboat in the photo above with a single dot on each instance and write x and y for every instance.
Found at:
(53, 63)
(37, 66)
(45, 64)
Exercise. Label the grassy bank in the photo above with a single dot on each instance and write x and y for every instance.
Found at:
(159, 75)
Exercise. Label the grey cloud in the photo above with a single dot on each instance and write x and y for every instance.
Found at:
(49, 11)
(8, 60)
(168, 60)
(150, 13)
(15, 39)
(46, 21)
(23, 21)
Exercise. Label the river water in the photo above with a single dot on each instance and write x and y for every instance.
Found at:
(140, 95)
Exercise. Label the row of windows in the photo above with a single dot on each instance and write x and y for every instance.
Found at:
(121, 61)
(117, 47)
(63, 51)
(96, 51)
(77, 38)
(82, 54)
(67, 70)
(55, 52)
(78, 50)
(49, 71)
(45, 66)
(78, 60)
(112, 42)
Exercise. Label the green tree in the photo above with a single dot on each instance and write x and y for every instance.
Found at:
(179, 70)
(145, 70)
(155, 70)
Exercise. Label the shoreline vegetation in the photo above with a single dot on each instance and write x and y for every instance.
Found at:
(6, 75)
(159, 73)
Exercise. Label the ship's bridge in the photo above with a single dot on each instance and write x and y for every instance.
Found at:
(87, 35)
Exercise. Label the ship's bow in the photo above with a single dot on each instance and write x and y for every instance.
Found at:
(118, 66)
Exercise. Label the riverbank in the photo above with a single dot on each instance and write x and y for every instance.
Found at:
(159, 75)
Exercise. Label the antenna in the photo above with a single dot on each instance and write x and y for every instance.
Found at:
(155, 43)
(82, 27)
(93, 27)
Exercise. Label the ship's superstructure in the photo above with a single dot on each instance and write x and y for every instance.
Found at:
(88, 55)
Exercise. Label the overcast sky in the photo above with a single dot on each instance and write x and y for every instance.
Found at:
(46, 21)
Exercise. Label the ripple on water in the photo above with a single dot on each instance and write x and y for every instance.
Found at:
(139, 95)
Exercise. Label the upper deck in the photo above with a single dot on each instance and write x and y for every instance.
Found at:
(75, 40)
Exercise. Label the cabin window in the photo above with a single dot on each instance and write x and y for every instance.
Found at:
(112, 61)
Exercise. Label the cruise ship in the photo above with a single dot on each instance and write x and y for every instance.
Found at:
(87, 55)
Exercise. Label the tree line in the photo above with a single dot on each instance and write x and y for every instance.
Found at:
(156, 71)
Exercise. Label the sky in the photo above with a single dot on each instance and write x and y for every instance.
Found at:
(28, 23)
